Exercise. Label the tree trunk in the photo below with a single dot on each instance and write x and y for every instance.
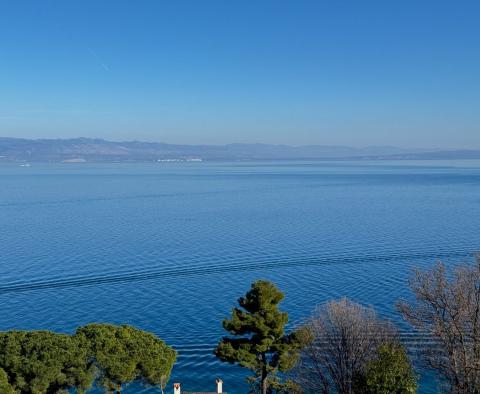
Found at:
(264, 374)
(264, 383)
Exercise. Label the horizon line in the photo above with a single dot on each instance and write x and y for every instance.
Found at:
(127, 141)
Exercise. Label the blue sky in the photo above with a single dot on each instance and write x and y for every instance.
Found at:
(357, 73)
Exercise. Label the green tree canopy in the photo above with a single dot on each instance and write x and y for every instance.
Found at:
(123, 354)
(389, 373)
(260, 343)
(5, 386)
(44, 362)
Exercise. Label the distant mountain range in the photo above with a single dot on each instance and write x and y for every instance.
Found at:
(98, 150)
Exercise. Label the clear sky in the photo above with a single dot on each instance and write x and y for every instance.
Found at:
(358, 73)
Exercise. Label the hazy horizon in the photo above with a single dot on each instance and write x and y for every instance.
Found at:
(122, 140)
(296, 73)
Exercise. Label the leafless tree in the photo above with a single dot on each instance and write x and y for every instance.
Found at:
(346, 336)
(447, 308)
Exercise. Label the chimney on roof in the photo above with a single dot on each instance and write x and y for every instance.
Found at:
(219, 386)
(176, 388)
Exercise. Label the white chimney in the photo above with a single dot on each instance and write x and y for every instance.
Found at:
(176, 388)
(219, 386)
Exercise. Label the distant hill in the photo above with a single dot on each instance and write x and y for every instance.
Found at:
(98, 150)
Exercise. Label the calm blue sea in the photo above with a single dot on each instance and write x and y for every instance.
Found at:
(169, 247)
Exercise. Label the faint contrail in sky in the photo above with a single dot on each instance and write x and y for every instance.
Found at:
(104, 66)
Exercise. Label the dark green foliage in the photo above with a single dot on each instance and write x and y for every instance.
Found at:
(260, 344)
(5, 387)
(286, 386)
(123, 354)
(44, 362)
(389, 373)
(275, 386)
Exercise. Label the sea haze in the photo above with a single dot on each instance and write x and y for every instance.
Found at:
(98, 151)
(169, 247)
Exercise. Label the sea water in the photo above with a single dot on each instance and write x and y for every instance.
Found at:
(169, 247)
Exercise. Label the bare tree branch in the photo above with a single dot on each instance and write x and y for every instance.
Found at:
(447, 308)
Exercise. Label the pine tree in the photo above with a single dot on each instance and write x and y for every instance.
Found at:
(260, 343)
(123, 354)
(5, 387)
